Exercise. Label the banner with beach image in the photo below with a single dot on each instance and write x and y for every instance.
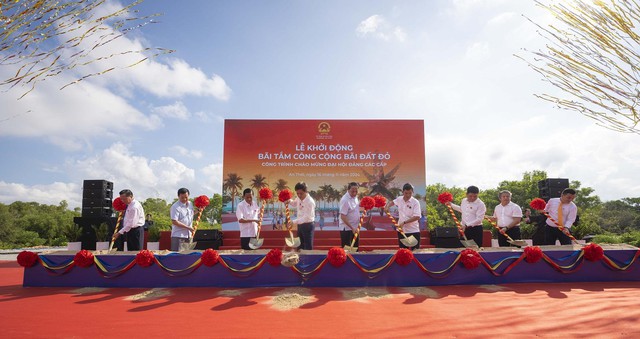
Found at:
(379, 155)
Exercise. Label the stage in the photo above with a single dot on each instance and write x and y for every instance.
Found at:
(262, 268)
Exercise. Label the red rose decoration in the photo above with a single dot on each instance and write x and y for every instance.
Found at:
(265, 193)
(538, 204)
(470, 258)
(380, 201)
(337, 256)
(404, 257)
(284, 195)
(119, 205)
(144, 258)
(532, 254)
(83, 258)
(367, 203)
(445, 197)
(201, 201)
(210, 257)
(274, 257)
(593, 252)
(27, 258)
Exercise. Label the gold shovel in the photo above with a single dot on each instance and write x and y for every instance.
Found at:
(291, 241)
(466, 242)
(517, 243)
(410, 241)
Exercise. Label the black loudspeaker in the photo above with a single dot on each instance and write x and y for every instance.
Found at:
(96, 198)
(207, 235)
(552, 187)
(446, 232)
(446, 237)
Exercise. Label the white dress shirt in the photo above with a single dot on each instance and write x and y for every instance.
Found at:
(306, 210)
(248, 212)
(569, 212)
(507, 214)
(472, 212)
(350, 208)
(133, 217)
(407, 210)
(182, 213)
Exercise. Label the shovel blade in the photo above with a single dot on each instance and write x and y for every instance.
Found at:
(409, 241)
(469, 243)
(187, 246)
(256, 243)
(292, 242)
(519, 243)
(348, 248)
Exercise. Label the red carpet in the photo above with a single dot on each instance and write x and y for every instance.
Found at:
(520, 310)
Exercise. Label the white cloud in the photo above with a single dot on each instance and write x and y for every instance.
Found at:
(213, 177)
(176, 110)
(478, 51)
(378, 27)
(51, 194)
(146, 178)
(183, 151)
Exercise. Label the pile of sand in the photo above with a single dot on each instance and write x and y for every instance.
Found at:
(421, 291)
(366, 294)
(291, 298)
(88, 290)
(231, 293)
(152, 294)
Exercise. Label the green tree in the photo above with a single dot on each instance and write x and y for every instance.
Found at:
(232, 185)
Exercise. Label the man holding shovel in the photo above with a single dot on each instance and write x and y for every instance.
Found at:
(248, 214)
(181, 220)
(305, 215)
(349, 216)
(409, 213)
(472, 210)
(508, 217)
(132, 222)
(564, 211)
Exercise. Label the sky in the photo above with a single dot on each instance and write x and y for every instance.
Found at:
(158, 126)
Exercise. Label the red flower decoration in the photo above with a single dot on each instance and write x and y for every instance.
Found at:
(593, 252)
(538, 204)
(265, 193)
(284, 195)
(210, 257)
(201, 201)
(367, 203)
(404, 257)
(83, 258)
(470, 258)
(27, 258)
(380, 201)
(445, 197)
(337, 256)
(144, 258)
(119, 205)
(532, 254)
(274, 257)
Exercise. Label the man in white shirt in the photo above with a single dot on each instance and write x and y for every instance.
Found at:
(305, 215)
(181, 220)
(248, 214)
(132, 222)
(564, 211)
(349, 216)
(409, 213)
(472, 210)
(508, 217)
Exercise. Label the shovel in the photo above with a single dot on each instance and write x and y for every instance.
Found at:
(184, 247)
(255, 243)
(517, 243)
(352, 248)
(291, 241)
(410, 241)
(466, 242)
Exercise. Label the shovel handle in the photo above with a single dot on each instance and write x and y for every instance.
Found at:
(115, 230)
(561, 227)
(455, 219)
(494, 224)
